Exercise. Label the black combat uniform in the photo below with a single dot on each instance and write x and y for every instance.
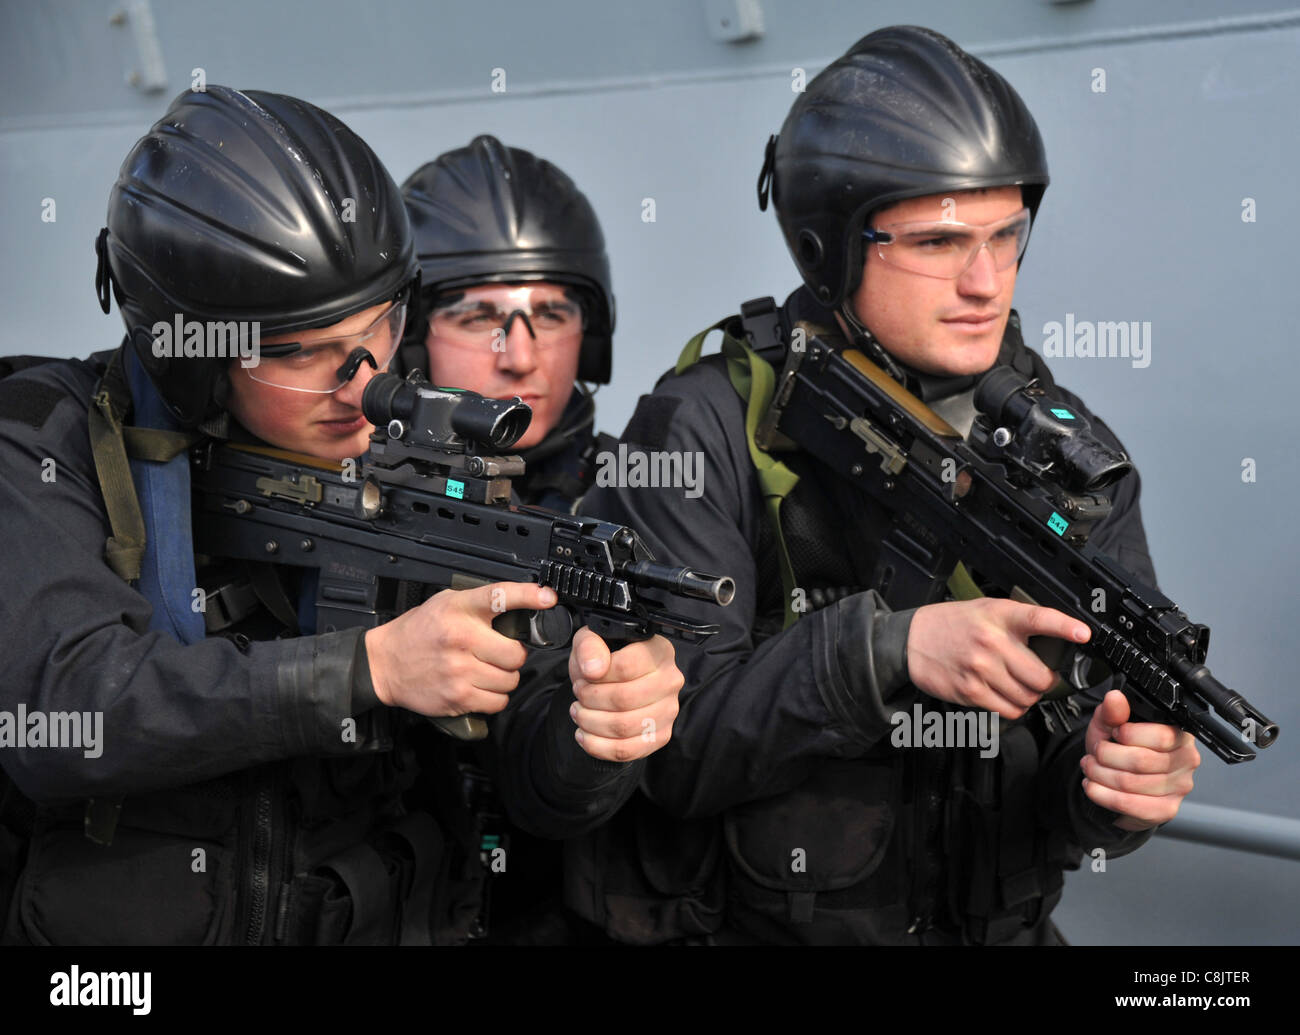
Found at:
(780, 811)
(246, 817)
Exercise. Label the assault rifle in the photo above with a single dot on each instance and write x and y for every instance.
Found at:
(1016, 503)
(432, 506)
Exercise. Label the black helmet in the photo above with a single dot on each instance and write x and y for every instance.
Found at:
(490, 213)
(905, 113)
(253, 207)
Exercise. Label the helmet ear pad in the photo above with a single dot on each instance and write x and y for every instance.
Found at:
(595, 359)
(855, 253)
(222, 387)
(194, 385)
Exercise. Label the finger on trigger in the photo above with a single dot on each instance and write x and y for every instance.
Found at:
(500, 597)
(1047, 621)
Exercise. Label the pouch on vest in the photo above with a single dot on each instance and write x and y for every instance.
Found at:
(647, 878)
(821, 862)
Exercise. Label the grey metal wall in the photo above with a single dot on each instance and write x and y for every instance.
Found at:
(1143, 222)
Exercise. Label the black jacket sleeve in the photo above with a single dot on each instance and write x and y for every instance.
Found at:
(75, 636)
(755, 717)
(549, 785)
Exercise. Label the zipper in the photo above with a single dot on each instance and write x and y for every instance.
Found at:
(259, 877)
(927, 801)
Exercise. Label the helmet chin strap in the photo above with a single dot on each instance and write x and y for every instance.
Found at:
(866, 341)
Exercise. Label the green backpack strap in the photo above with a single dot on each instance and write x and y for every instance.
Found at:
(156, 445)
(755, 382)
(961, 585)
(124, 549)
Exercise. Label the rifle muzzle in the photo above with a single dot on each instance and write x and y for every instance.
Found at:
(682, 582)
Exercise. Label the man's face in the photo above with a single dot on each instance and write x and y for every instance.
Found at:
(940, 326)
(330, 426)
(474, 343)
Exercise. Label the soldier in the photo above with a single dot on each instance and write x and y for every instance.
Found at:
(221, 804)
(516, 300)
(905, 180)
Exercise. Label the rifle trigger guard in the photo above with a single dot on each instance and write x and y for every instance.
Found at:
(550, 628)
(1078, 670)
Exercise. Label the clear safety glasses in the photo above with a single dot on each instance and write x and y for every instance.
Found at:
(946, 250)
(326, 366)
(484, 318)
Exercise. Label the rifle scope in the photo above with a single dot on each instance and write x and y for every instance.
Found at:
(443, 417)
(1047, 437)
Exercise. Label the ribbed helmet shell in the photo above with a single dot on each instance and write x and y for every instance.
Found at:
(488, 213)
(249, 206)
(905, 113)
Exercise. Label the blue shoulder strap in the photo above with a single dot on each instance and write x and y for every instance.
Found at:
(167, 578)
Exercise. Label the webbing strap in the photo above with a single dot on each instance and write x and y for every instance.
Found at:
(124, 549)
(961, 585)
(755, 382)
(157, 445)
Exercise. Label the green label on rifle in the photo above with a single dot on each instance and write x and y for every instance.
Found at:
(1057, 523)
(455, 488)
(1063, 414)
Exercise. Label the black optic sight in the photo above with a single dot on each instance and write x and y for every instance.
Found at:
(444, 418)
(1049, 439)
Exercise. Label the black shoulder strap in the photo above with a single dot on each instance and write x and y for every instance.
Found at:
(760, 320)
